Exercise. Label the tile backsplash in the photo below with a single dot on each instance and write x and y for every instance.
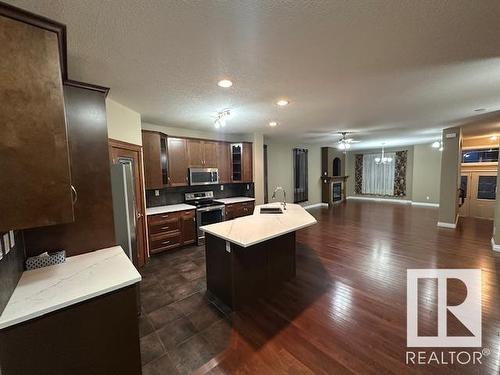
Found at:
(176, 194)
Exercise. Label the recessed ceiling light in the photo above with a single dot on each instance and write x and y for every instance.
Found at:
(282, 102)
(480, 110)
(225, 83)
(273, 124)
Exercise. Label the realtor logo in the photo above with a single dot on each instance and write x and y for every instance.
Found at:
(468, 312)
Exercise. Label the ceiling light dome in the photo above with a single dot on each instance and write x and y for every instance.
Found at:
(436, 144)
(282, 102)
(273, 124)
(225, 83)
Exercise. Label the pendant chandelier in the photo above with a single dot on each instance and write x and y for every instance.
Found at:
(383, 159)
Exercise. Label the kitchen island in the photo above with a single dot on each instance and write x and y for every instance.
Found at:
(248, 257)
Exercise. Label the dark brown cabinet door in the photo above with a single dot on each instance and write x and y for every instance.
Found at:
(224, 162)
(151, 144)
(93, 227)
(35, 181)
(247, 162)
(188, 227)
(178, 161)
(195, 153)
(209, 154)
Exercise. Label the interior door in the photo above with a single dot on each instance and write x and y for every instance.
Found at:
(465, 184)
(483, 195)
(119, 154)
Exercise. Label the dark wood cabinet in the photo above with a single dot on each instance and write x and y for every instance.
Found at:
(151, 148)
(93, 226)
(247, 166)
(224, 162)
(178, 162)
(236, 210)
(188, 227)
(34, 154)
(202, 154)
(171, 230)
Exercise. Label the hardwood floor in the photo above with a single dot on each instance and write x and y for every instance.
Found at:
(345, 312)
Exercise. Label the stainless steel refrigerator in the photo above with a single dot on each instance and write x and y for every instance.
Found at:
(124, 208)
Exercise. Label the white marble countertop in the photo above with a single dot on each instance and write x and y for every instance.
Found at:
(235, 200)
(249, 230)
(169, 208)
(80, 278)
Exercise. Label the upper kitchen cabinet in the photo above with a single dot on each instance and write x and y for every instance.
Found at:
(202, 154)
(247, 162)
(178, 161)
(155, 159)
(224, 162)
(34, 154)
(241, 162)
(93, 226)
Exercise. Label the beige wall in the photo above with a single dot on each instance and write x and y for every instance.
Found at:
(350, 160)
(124, 124)
(258, 167)
(280, 170)
(450, 174)
(426, 174)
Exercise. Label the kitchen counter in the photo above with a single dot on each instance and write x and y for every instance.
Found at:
(80, 278)
(169, 208)
(250, 230)
(235, 200)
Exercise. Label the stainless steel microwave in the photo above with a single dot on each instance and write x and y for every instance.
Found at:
(203, 176)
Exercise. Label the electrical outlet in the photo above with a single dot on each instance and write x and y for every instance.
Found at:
(157, 193)
(6, 244)
(221, 187)
(12, 239)
(248, 187)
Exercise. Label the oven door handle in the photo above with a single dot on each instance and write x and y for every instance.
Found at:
(213, 208)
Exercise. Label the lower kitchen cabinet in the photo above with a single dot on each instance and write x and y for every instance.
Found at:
(235, 210)
(171, 230)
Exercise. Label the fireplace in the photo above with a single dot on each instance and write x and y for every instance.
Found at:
(336, 191)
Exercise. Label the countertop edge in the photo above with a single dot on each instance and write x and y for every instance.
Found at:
(261, 240)
(170, 210)
(75, 301)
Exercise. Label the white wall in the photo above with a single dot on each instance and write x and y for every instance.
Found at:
(280, 170)
(124, 124)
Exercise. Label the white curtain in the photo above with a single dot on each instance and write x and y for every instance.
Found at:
(378, 178)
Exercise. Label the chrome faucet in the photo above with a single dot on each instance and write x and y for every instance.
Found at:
(276, 189)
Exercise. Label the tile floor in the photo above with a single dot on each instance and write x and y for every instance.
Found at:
(180, 328)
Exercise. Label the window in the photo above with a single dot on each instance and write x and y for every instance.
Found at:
(378, 179)
(487, 155)
(486, 187)
(300, 191)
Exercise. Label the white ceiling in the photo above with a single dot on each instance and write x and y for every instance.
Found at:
(391, 71)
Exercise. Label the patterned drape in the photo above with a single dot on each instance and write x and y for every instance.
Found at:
(400, 173)
(358, 174)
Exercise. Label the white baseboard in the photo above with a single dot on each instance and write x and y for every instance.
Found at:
(446, 225)
(425, 204)
(494, 246)
(377, 199)
(315, 205)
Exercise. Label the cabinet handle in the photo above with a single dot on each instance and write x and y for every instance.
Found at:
(165, 242)
(187, 179)
(164, 227)
(164, 215)
(75, 194)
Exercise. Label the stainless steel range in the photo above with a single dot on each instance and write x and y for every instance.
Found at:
(207, 211)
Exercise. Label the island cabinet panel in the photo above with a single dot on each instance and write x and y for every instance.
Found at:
(151, 145)
(93, 227)
(171, 230)
(99, 336)
(245, 274)
(34, 154)
(224, 162)
(178, 161)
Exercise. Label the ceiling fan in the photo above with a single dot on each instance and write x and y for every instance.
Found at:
(344, 143)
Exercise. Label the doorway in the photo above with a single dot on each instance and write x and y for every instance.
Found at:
(123, 152)
(479, 194)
